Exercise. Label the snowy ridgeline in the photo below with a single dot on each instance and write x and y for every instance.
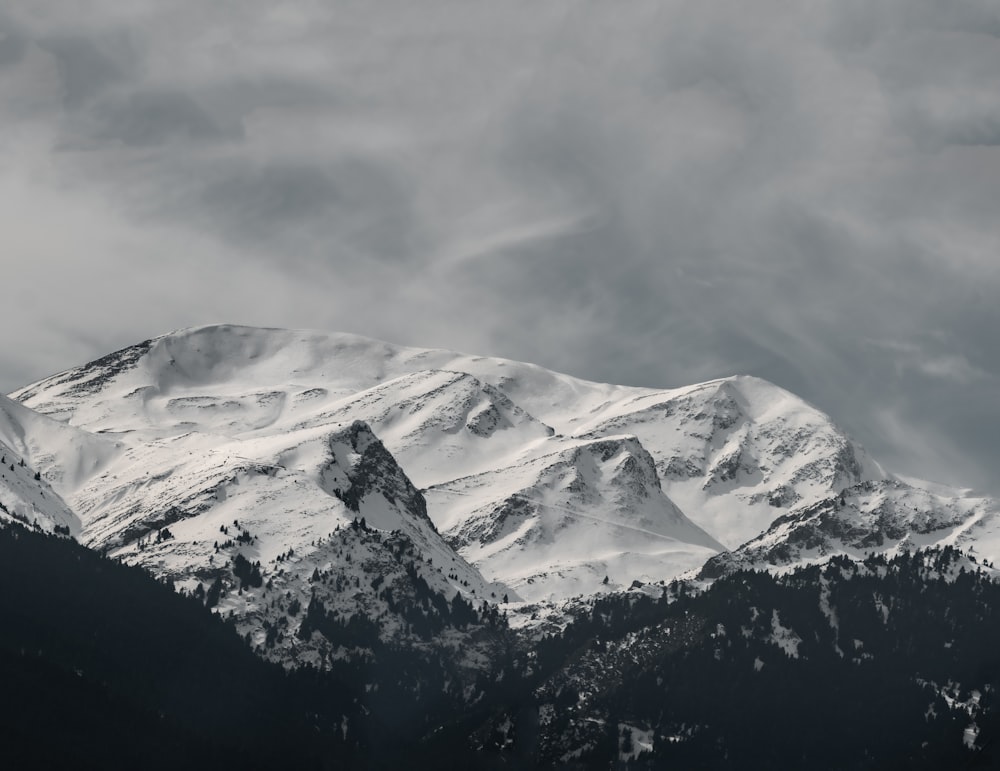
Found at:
(209, 449)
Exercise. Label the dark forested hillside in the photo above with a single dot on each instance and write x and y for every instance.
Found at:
(105, 668)
(881, 664)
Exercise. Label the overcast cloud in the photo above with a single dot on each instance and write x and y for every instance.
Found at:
(646, 193)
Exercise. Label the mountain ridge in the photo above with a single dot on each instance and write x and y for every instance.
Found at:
(545, 486)
(512, 566)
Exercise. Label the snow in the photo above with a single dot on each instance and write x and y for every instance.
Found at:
(542, 483)
(23, 498)
(197, 459)
(553, 525)
(194, 414)
(829, 612)
(888, 515)
(951, 692)
(639, 740)
(784, 637)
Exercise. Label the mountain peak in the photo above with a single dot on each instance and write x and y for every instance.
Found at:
(497, 446)
(365, 476)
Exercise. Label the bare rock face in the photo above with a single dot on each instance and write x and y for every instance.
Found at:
(361, 467)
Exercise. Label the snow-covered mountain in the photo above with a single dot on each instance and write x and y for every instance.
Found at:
(376, 511)
(25, 495)
(197, 409)
(214, 482)
(518, 481)
(736, 453)
(557, 523)
(873, 516)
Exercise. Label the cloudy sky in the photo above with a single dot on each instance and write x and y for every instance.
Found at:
(651, 193)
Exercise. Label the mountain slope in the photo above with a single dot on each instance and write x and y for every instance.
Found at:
(544, 482)
(735, 453)
(587, 516)
(199, 410)
(885, 516)
(25, 495)
(258, 517)
(105, 667)
(373, 511)
(885, 663)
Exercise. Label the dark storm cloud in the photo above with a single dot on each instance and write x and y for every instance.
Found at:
(154, 117)
(13, 43)
(655, 193)
(84, 70)
(251, 201)
(351, 203)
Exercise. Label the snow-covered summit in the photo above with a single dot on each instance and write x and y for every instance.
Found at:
(188, 405)
(735, 453)
(544, 482)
